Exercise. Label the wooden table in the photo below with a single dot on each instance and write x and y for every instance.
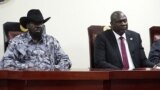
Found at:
(80, 80)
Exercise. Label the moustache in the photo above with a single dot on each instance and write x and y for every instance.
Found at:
(36, 34)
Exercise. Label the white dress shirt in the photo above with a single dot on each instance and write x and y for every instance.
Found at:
(130, 62)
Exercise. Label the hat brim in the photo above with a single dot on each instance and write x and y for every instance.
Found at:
(25, 20)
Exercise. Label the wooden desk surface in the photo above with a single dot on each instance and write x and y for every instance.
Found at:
(135, 74)
(59, 75)
(80, 80)
(86, 74)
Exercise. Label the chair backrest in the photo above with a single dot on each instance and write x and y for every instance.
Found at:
(93, 30)
(10, 29)
(154, 34)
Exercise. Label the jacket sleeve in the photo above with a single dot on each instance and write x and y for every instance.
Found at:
(10, 58)
(100, 54)
(62, 60)
(142, 57)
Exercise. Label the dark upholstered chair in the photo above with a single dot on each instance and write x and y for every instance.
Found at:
(10, 29)
(93, 30)
(154, 34)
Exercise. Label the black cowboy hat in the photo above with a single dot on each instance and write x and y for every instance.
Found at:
(35, 16)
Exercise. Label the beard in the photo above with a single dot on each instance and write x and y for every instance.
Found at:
(36, 34)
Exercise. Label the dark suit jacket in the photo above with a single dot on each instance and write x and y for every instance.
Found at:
(154, 55)
(107, 54)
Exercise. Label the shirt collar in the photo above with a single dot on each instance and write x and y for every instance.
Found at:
(118, 36)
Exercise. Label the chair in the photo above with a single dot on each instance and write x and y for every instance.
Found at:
(154, 34)
(93, 30)
(10, 30)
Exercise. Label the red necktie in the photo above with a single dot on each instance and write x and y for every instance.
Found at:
(124, 53)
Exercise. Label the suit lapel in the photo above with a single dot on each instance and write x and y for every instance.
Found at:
(113, 41)
(114, 44)
(130, 41)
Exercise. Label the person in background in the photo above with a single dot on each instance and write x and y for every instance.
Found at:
(119, 48)
(154, 54)
(34, 49)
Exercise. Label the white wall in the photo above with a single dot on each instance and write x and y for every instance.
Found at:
(71, 18)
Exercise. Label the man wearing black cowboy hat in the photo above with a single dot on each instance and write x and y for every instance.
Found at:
(35, 49)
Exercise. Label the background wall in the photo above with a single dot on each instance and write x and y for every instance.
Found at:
(71, 18)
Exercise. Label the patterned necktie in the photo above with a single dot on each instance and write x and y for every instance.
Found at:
(124, 53)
